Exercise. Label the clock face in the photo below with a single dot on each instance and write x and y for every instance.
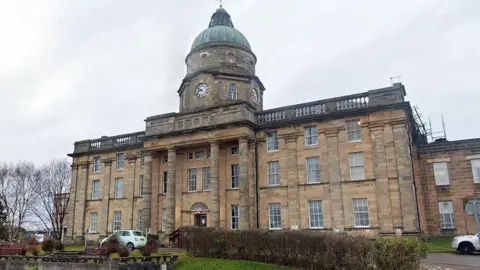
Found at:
(254, 96)
(202, 90)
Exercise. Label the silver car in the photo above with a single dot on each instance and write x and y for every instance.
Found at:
(130, 239)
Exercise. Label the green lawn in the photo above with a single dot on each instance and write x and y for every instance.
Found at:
(440, 245)
(187, 263)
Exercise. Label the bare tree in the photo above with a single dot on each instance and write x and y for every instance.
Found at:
(17, 184)
(52, 196)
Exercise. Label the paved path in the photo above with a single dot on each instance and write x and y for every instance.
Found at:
(453, 261)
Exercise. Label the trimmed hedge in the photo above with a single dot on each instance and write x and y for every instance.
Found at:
(303, 249)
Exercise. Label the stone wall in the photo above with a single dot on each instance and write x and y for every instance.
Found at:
(461, 188)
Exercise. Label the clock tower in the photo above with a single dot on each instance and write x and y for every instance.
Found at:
(220, 69)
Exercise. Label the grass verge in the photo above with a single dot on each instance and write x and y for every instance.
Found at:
(187, 263)
(440, 246)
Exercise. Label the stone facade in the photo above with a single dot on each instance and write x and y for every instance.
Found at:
(221, 170)
(460, 158)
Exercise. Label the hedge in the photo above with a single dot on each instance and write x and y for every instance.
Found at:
(304, 249)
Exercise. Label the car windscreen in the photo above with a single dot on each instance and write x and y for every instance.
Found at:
(136, 233)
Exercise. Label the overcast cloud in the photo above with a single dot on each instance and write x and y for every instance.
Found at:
(79, 69)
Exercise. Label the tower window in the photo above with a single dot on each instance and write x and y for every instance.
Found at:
(232, 91)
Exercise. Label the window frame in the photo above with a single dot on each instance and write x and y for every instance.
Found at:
(140, 220)
(192, 180)
(357, 129)
(235, 219)
(235, 151)
(117, 222)
(355, 166)
(91, 229)
(234, 178)
(451, 215)
(95, 161)
(164, 219)
(142, 160)
(308, 169)
(120, 161)
(360, 212)
(273, 171)
(270, 216)
(116, 191)
(95, 191)
(308, 136)
(190, 155)
(475, 163)
(206, 187)
(272, 141)
(232, 88)
(319, 214)
(141, 186)
(438, 182)
(202, 156)
(165, 182)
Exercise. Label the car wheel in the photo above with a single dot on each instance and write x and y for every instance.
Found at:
(130, 247)
(466, 248)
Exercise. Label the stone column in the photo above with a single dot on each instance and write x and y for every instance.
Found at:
(170, 200)
(336, 194)
(105, 195)
(244, 196)
(79, 221)
(147, 190)
(71, 205)
(214, 184)
(292, 183)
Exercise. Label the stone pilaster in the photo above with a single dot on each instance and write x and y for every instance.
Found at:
(252, 174)
(71, 208)
(105, 195)
(244, 195)
(381, 177)
(336, 196)
(79, 222)
(291, 169)
(147, 190)
(170, 200)
(214, 184)
(405, 178)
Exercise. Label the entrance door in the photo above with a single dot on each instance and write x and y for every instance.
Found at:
(201, 220)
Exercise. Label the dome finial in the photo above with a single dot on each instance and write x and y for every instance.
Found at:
(221, 4)
(220, 17)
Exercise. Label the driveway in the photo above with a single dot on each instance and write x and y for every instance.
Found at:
(453, 261)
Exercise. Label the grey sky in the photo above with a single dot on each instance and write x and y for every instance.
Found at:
(78, 69)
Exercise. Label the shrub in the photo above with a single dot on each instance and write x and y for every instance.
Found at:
(302, 249)
(112, 245)
(48, 245)
(58, 245)
(391, 253)
(148, 249)
(123, 252)
(32, 249)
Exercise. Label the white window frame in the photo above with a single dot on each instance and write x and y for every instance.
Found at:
(235, 151)
(140, 221)
(475, 170)
(272, 141)
(190, 155)
(278, 222)
(164, 219)
(354, 166)
(165, 159)
(200, 155)
(192, 179)
(206, 175)
(142, 160)
(440, 169)
(358, 210)
(354, 131)
(93, 222)
(235, 176)
(450, 213)
(315, 214)
(142, 180)
(232, 91)
(311, 136)
(313, 170)
(235, 219)
(118, 188)
(117, 220)
(95, 191)
(120, 161)
(97, 165)
(273, 173)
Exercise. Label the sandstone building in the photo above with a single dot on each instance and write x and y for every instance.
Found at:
(338, 164)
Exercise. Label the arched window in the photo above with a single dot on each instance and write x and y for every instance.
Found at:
(232, 91)
(199, 206)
